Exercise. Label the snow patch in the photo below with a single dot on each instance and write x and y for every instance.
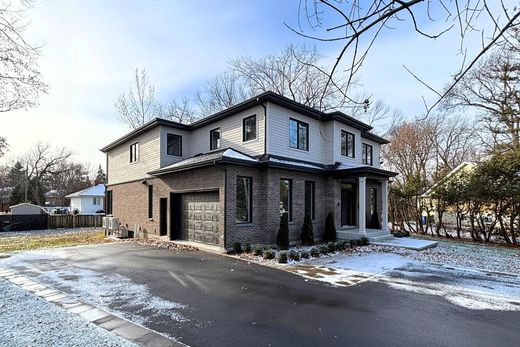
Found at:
(230, 153)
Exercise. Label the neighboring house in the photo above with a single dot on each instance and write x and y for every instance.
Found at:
(89, 200)
(26, 208)
(53, 198)
(228, 177)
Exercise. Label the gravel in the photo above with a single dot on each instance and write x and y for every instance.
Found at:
(27, 320)
(45, 232)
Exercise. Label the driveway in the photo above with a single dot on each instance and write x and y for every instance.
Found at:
(203, 299)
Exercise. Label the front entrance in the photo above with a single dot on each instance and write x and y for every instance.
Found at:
(163, 213)
(348, 204)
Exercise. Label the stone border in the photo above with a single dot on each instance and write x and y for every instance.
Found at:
(122, 327)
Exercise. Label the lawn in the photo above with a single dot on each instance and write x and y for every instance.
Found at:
(26, 243)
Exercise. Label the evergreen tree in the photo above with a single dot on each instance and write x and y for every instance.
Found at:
(330, 230)
(307, 232)
(282, 239)
(101, 177)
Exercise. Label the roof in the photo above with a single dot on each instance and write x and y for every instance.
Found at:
(28, 204)
(453, 172)
(254, 101)
(97, 190)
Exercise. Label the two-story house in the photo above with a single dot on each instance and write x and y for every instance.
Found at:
(228, 177)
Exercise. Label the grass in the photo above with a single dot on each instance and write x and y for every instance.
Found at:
(27, 243)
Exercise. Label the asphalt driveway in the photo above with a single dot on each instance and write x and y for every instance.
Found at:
(203, 299)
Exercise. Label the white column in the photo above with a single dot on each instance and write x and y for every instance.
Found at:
(384, 204)
(362, 219)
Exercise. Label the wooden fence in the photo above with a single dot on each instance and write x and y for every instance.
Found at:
(74, 221)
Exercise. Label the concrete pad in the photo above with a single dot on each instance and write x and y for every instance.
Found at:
(407, 242)
(131, 331)
(36, 288)
(56, 297)
(94, 314)
(79, 309)
(113, 323)
(46, 292)
(155, 340)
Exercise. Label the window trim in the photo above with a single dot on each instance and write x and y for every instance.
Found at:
(347, 133)
(175, 136)
(313, 202)
(250, 219)
(244, 128)
(366, 146)
(134, 153)
(298, 122)
(210, 139)
(290, 197)
(150, 201)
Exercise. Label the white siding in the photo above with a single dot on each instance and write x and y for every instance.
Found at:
(119, 167)
(170, 159)
(376, 149)
(231, 134)
(328, 143)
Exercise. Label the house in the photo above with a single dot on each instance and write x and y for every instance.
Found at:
(228, 177)
(89, 200)
(26, 208)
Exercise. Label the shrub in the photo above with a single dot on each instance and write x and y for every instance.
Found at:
(323, 249)
(304, 255)
(353, 243)
(230, 251)
(268, 254)
(331, 246)
(363, 241)
(315, 252)
(237, 247)
(258, 250)
(341, 245)
(293, 255)
(247, 248)
(282, 238)
(329, 235)
(307, 234)
(282, 257)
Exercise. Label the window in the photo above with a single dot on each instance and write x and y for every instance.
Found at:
(109, 199)
(150, 201)
(367, 154)
(134, 152)
(373, 201)
(214, 139)
(243, 207)
(249, 128)
(286, 197)
(96, 201)
(347, 144)
(298, 134)
(174, 145)
(310, 199)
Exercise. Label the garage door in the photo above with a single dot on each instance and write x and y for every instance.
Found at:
(201, 217)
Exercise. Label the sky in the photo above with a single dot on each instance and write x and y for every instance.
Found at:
(92, 48)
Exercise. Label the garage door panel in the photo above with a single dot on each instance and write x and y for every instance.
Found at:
(201, 217)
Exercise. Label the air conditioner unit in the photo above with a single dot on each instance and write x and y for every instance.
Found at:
(114, 223)
(106, 222)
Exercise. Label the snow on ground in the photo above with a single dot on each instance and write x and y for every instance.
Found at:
(28, 320)
(45, 232)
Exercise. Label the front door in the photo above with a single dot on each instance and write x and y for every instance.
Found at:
(348, 204)
(163, 210)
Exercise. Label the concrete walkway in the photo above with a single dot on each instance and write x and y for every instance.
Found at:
(407, 242)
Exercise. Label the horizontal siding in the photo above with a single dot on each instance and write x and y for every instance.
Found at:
(376, 152)
(338, 127)
(119, 167)
(171, 159)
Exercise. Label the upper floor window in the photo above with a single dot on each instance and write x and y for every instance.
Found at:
(298, 134)
(249, 128)
(214, 139)
(96, 201)
(367, 154)
(347, 144)
(243, 199)
(134, 152)
(174, 145)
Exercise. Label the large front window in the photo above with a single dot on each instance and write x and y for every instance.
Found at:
(310, 199)
(298, 134)
(243, 200)
(214, 139)
(367, 154)
(347, 144)
(286, 197)
(249, 129)
(174, 145)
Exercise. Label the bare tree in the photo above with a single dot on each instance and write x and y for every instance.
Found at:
(3, 146)
(225, 90)
(20, 80)
(360, 22)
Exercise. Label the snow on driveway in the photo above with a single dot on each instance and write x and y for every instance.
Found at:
(470, 288)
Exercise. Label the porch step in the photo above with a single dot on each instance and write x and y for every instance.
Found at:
(372, 235)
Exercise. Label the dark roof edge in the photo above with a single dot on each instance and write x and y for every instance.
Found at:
(221, 160)
(376, 138)
(353, 122)
(369, 170)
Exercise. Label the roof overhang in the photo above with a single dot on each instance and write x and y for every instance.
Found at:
(365, 171)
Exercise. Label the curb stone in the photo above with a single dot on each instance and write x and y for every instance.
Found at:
(135, 333)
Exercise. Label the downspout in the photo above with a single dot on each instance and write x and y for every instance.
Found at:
(225, 200)
(265, 128)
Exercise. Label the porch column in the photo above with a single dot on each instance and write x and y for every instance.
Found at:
(384, 204)
(362, 219)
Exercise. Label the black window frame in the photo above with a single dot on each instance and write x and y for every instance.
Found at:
(298, 124)
(365, 156)
(244, 133)
(150, 201)
(134, 152)
(109, 200)
(312, 205)
(173, 136)
(250, 212)
(289, 196)
(347, 134)
(211, 132)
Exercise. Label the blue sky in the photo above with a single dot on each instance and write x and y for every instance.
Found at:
(91, 49)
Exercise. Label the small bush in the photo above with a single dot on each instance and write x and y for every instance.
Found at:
(293, 255)
(329, 234)
(268, 254)
(307, 234)
(248, 248)
(331, 247)
(363, 241)
(315, 252)
(341, 245)
(353, 243)
(282, 238)
(230, 251)
(324, 249)
(304, 255)
(237, 247)
(282, 257)
(258, 250)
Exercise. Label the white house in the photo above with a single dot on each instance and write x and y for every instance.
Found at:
(26, 208)
(89, 200)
